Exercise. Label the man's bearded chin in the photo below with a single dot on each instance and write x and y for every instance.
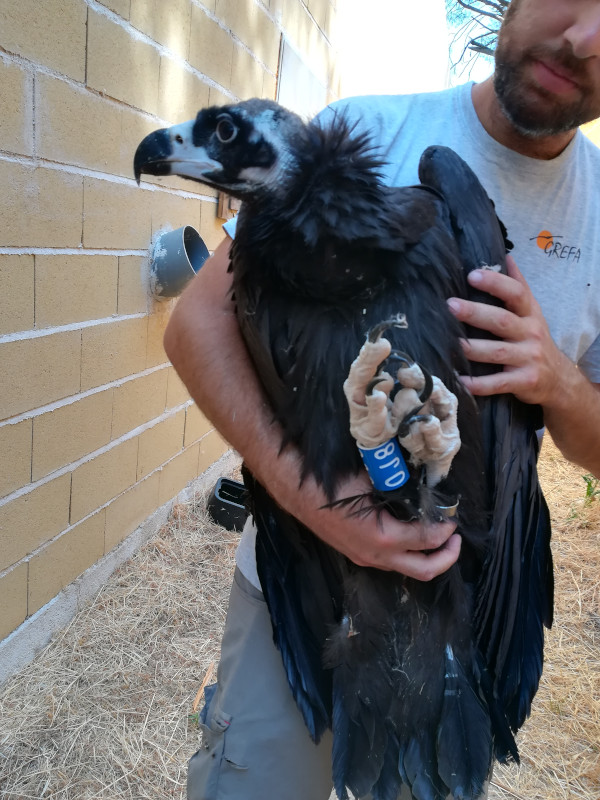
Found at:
(541, 118)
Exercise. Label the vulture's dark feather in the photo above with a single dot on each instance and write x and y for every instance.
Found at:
(420, 682)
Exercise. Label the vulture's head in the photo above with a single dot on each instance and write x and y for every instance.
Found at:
(243, 149)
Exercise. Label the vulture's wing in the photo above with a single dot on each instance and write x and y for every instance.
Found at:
(515, 594)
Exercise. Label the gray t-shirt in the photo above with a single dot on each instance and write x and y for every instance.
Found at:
(550, 208)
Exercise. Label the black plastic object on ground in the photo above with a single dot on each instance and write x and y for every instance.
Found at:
(226, 504)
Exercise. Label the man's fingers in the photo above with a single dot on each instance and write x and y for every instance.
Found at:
(497, 321)
(511, 289)
(490, 351)
(486, 385)
(417, 549)
(426, 566)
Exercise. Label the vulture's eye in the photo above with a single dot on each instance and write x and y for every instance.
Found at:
(226, 131)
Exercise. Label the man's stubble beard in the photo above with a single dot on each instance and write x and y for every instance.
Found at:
(530, 120)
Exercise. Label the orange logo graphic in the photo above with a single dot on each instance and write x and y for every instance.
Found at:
(544, 240)
(553, 247)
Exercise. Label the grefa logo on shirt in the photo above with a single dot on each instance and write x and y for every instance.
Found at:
(555, 247)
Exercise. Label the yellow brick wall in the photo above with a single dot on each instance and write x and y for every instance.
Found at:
(96, 429)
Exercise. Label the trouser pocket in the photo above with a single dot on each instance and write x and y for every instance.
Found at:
(216, 756)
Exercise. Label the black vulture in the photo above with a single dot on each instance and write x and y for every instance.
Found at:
(422, 683)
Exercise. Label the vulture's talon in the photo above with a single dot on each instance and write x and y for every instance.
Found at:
(428, 388)
(399, 321)
(409, 419)
(372, 384)
(432, 437)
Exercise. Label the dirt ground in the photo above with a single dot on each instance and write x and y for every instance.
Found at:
(109, 709)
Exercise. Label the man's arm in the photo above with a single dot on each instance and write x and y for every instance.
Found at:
(204, 343)
(534, 368)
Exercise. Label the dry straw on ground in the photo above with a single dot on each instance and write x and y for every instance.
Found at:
(108, 710)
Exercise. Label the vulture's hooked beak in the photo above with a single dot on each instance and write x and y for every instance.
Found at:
(171, 151)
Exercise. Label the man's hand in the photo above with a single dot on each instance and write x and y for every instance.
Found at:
(535, 370)
(533, 365)
(417, 549)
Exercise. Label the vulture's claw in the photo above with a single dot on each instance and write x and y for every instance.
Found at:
(409, 419)
(377, 380)
(399, 321)
(406, 372)
(432, 437)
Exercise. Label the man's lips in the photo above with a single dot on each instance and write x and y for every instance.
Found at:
(553, 78)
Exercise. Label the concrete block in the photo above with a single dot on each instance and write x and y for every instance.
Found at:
(170, 211)
(61, 561)
(71, 432)
(323, 13)
(116, 215)
(129, 510)
(157, 324)
(196, 425)
(106, 476)
(211, 48)
(212, 447)
(177, 392)
(74, 288)
(39, 207)
(246, 75)
(133, 285)
(38, 371)
(120, 65)
(269, 91)
(135, 126)
(181, 93)
(112, 351)
(16, 102)
(291, 16)
(13, 599)
(217, 98)
(249, 23)
(166, 23)
(120, 7)
(74, 126)
(32, 519)
(276, 8)
(17, 299)
(138, 401)
(51, 34)
(160, 443)
(178, 473)
(15, 463)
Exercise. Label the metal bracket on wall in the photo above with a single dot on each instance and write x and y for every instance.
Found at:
(228, 206)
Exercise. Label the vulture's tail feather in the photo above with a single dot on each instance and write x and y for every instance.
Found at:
(419, 765)
(464, 742)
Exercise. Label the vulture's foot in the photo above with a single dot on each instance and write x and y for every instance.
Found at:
(431, 436)
(371, 390)
(413, 405)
